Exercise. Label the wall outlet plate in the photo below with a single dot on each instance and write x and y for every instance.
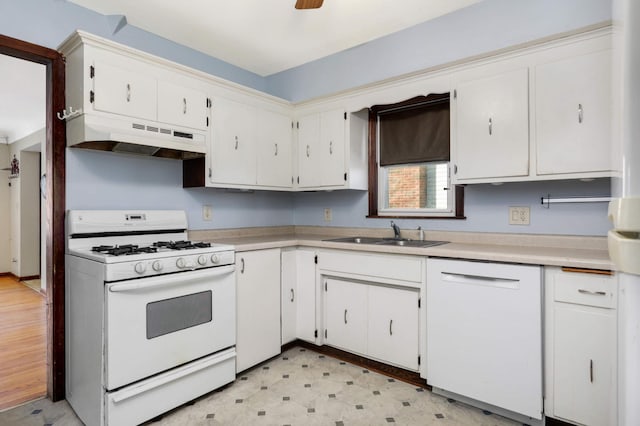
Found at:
(327, 215)
(519, 215)
(207, 213)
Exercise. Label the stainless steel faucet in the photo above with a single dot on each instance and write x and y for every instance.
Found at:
(396, 230)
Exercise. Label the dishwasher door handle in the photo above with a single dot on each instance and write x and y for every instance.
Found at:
(482, 280)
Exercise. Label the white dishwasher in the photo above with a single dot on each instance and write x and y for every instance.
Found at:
(484, 334)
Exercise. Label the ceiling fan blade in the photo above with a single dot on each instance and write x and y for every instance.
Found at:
(308, 4)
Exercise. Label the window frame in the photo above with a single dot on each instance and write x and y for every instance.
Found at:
(374, 170)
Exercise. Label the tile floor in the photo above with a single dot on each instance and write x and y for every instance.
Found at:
(300, 387)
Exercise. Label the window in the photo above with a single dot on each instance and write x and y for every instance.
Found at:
(409, 154)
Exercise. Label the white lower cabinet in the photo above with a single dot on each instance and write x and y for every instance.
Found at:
(346, 315)
(298, 295)
(372, 305)
(258, 307)
(393, 325)
(581, 347)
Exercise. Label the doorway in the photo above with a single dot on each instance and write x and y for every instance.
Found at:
(54, 204)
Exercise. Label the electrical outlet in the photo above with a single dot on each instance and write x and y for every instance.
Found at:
(327, 215)
(519, 215)
(207, 213)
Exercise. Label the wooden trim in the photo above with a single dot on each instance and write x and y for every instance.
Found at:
(29, 277)
(587, 271)
(55, 202)
(373, 164)
(397, 373)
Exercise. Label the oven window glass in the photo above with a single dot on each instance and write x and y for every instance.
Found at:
(178, 313)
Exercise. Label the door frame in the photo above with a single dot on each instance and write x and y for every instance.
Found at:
(55, 203)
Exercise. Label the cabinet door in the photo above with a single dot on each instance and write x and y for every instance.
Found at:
(182, 106)
(258, 307)
(298, 295)
(309, 163)
(274, 150)
(121, 91)
(346, 315)
(332, 147)
(493, 126)
(573, 114)
(393, 326)
(288, 303)
(233, 157)
(584, 363)
(306, 295)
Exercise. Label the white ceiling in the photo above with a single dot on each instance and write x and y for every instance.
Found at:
(268, 36)
(23, 98)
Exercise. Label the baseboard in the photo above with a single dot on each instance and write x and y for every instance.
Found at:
(397, 373)
(29, 277)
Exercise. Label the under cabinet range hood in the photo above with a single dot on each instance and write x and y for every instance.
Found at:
(133, 136)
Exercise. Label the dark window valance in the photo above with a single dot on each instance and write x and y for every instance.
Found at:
(414, 131)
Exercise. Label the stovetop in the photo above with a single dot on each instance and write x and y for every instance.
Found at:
(131, 249)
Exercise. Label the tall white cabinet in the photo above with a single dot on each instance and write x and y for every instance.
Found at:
(580, 342)
(298, 294)
(258, 307)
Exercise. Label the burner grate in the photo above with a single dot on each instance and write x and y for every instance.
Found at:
(126, 249)
(181, 245)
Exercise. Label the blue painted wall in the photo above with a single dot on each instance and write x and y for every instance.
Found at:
(486, 209)
(480, 28)
(99, 180)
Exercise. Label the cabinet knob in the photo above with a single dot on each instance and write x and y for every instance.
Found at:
(580, 113)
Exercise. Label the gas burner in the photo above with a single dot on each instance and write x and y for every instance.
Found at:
(180, 245)
(125, 249)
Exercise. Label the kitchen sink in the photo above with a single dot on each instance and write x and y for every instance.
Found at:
(411, 243)
(356, 240)
(402, 242)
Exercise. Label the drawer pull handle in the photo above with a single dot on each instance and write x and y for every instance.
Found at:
(128, 92)
(345, 316)
(490, 126)
(292, 295)
(591, 370)
(242, 267)
(580, 113)
(595, 293)
(390, 327)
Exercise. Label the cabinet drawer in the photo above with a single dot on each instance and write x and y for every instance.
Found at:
(585, 288)
(386, 267)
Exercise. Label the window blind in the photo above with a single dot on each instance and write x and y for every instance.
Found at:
(414, 131)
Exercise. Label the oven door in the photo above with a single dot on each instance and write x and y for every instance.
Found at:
(154, 324)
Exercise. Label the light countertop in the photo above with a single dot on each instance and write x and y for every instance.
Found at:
(551, 250)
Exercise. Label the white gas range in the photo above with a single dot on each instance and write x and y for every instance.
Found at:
(150, 316)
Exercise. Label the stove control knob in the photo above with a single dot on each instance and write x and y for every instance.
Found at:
(202, 260)
(157, 266)
(215, 258)
(140, 268)
(181, 263)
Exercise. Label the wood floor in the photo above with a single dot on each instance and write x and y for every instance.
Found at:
(23, 375)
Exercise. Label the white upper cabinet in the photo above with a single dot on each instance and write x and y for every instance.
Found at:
(537, 114)
(574, 114)
(493, 126)
(321, 149)
(119, 90)
(232, 151)
(274, 139)
(183, 106)
(250, 146)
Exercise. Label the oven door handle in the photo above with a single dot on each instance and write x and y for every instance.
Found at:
(172, 279)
